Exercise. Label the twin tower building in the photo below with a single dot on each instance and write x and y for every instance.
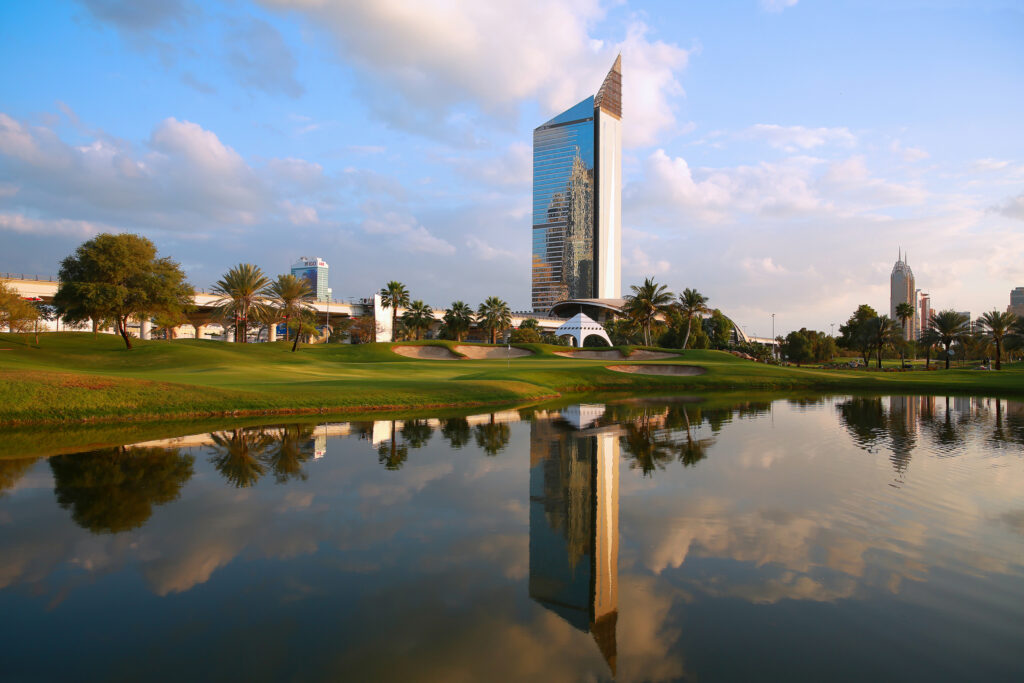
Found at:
(577, 200)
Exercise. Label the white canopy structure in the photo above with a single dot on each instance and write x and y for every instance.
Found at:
(581, 326)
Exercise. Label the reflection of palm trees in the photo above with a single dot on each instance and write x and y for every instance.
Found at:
(492, 437)
(294, 447)
(13, 469)
(865, 420)
(457, 431)
(694, 450)
(238, 455)
(390, 453)
(114, 489)
(639, 442)
(416, 433)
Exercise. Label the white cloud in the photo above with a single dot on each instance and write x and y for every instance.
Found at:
(404, 232)
(777, 5)
(35, 226)
(793, 138)
(908, 154)
(1013, 207)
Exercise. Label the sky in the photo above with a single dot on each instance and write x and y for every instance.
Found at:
(777, 153)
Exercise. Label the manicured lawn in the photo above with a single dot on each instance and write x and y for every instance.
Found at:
(76, 376)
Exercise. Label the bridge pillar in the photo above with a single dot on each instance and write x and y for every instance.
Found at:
(145, 327)
(272, 332)
(200, 331)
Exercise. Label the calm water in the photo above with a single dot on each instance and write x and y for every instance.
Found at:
(833, 539)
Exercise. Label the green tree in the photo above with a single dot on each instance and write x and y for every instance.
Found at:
(118, 277)
(290, 297)
(16, 314)
(855, 334)
(418, 318)
(340, 328)
(645, 303)
(882, 331)
(949, 326)
(457, 319)
(797, 348)
(242, 298)
(928, 339)
(494, 316)
(114, 489)
(996, 326)
(394, 296)
(719, 329)
(692, 303)
(904, 312)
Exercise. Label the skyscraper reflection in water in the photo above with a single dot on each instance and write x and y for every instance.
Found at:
(574, 524)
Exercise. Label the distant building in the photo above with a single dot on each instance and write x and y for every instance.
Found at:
(901, 291)
(970, 320)
(1016, 301)
(314, 271)
(924, 310)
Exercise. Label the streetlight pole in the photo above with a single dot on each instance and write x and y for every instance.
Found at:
(774, 345)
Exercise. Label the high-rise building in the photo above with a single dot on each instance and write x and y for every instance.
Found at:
(577, 207)
(970, 320)
(924, 310)
(901, 291)
(1016, 301)
(314, 271)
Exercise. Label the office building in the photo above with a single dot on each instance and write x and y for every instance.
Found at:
(577, 207)
(901, 291)
(924, 310)
(314, 271)
(1016, 302)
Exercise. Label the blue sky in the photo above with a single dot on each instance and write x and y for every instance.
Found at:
(777, 153)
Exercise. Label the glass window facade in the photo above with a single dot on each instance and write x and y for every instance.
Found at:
(563, 207)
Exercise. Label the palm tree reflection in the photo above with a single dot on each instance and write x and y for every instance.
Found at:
(239, 455)
(294, 446)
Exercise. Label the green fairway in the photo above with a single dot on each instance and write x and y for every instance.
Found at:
(78, 376)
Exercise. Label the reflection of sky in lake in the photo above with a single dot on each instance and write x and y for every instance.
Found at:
(849, 538)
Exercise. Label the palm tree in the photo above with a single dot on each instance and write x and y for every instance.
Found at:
(394, 296)
(645, 303)
(883, 331)
(929, 338)
(495, 316)
(241, 296)
(418, 317)
(996, 326)
(692, 303)
(949, 326)
(904, 312)
(291, 297)
(458, 318)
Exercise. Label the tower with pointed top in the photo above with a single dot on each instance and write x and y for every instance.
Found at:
(577, 200)
(901, 291)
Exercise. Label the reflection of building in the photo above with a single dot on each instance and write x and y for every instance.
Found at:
(574, 527)
(901, 291)
(577, 188)
(314, 271)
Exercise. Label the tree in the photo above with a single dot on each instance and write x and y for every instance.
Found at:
(645, 303)
(881, 331)
(164, 323)
(340, 328)
(16, 314)
(797, 348)
(928, 339)
(457, 319)
(394, 296)
(996, 326)
(854, 333)
(290, 296)
(242, 297)
(117, 277)
(364, 329)
(418, 317)
(949, 326)
(719, 329)
(525, 335)
(494, 316)
(904, 312)
(691, 303)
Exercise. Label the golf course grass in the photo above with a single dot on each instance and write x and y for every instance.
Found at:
(74, 377)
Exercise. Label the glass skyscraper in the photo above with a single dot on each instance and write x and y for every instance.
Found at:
(314, 271)
(577, 188)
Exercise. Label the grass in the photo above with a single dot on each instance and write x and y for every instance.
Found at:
(75, 377)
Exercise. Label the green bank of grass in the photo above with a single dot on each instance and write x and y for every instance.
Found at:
(75, 376)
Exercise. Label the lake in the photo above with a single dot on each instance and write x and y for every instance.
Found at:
(825, 538)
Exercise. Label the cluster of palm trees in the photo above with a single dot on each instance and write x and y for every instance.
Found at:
(493, 315)
(247, 296)
(650, 300)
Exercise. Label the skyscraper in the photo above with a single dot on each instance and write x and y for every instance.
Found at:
(314, 271)
(577, 208)
(1016, 301)
(924, 310)
(901, 291)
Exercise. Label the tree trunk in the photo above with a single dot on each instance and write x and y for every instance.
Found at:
(295, 343)
(928, 358)
(122, 327)
(686, 340)
(947, 355)
(999, 352)
(394, 321)
(879, 354)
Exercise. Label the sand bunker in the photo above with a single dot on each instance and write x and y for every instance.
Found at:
(492, 352)
(659, 369)
(425, 352)
(611, 354)
(651, 355)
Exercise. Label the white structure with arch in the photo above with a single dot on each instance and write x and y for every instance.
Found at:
(581, 326)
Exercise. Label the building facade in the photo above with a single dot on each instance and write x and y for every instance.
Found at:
(577, 207)
(901, 291)
(924, 310)
(314, 271)
(1016, 302)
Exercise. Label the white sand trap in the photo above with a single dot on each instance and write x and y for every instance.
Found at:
(492, 352)
(425, 352)
(611, 354)
(651, 355)
(659, 369)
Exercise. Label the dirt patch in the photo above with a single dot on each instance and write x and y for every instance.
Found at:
(492, 352)
(651, 355)
(611, 354)
(678, 370)
(426, 352)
